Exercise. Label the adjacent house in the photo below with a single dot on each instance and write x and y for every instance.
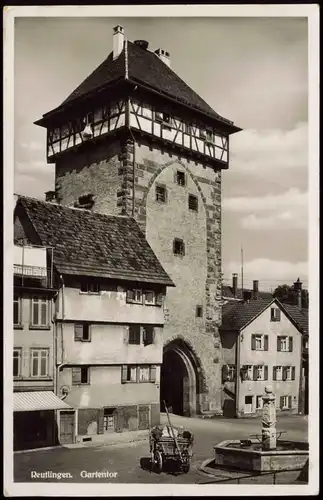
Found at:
(261, 345)
(108, 316)
(34, 400)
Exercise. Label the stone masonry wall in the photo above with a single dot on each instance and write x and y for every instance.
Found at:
(198, 274)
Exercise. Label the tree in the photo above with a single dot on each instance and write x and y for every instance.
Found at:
(288, 295)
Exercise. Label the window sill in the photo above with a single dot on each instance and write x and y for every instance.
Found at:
(38, 327)
(82, 340)
(77, 385)
(38, 377)
(161, 202)
(135, 303)
(18, 327)
(89, 293)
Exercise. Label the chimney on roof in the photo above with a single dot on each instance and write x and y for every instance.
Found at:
(234, 284)
(255, 289)
(118, 41)
(298, 290)
(247, 296)
(142, 43)
(164, 56)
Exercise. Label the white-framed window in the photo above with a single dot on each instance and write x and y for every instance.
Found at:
(143, 373)
(259, 342)
(150, 297)
(109, 419)
(39, 311)
(82, 332)
(39, 362)
(17, 362)
(260, 372)
(275, 314)
(138, 373)
(16, 310)
(161, 193)
(248, 404)
(249, 372)
(137, 296)
(259, 402)
(284, 343)
(285, 402)
(288, 373)
(132, 374)
(278, 373)
(90, 287)
(228, 373)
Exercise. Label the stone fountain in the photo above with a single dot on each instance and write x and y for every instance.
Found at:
(266, 452)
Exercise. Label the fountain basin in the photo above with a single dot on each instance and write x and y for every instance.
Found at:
(288, 455)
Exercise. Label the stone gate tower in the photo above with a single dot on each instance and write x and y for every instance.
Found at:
(138, 141)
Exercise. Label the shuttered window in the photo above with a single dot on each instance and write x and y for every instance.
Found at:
(80, 375)
(134, 334)
(82, 332)
(138, 373)
(148, 334)
(259, 342)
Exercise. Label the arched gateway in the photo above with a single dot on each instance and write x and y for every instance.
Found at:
(182, 381)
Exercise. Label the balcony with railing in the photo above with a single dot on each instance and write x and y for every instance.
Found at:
(33, 266)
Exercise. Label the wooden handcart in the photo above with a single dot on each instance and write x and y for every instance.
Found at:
(175, 447)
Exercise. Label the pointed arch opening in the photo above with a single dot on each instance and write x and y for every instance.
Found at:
(182, 381)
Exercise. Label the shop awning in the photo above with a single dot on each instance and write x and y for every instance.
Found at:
(38, 400)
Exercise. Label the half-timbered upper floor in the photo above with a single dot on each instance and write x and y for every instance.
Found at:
(134, 88)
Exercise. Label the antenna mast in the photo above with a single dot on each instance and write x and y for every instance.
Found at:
(242, 269)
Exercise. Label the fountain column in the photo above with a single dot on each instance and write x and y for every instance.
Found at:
(269, 419)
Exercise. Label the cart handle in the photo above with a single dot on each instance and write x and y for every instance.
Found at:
(170, 425)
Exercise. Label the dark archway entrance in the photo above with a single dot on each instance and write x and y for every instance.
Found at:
(181, 380)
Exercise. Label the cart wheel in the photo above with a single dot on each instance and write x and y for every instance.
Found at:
(186, 461)
(158, 462)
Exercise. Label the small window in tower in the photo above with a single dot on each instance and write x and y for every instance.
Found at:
(161, 193)
(199, 311)
(193, 203)
(178, 247)
(180, 178)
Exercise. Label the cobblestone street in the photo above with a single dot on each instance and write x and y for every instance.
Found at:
(131, 460)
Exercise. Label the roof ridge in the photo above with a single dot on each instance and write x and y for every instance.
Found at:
(86, 210)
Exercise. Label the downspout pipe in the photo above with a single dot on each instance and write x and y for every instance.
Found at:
(58, 367)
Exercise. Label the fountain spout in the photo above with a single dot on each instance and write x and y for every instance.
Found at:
(269, 437)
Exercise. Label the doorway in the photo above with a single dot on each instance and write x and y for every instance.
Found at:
(181, 386)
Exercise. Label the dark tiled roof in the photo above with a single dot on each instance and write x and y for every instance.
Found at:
(297, 315)
(238, 314)
(146, 68)
(227, 292)
(91, 244)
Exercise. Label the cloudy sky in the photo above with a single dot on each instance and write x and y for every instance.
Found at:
(250, 70)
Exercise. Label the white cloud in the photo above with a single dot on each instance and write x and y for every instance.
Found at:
(270, 152)
(282, 211)
(291, 198)
(270, 273)
(279, 221)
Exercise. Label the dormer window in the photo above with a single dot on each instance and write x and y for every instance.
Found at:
(90, 287)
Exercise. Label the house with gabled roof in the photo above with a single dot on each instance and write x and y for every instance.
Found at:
(134, 139)
(261, 343)
(108, 315)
